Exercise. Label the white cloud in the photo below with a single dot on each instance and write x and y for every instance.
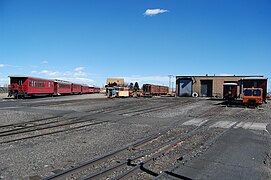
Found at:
(153, 12)
(79, 68)
(83, 80)
(80, 73)
(76, 76)
(3, 80)
(2, 65)
(47, 73)
(44, 62)
(58, 73)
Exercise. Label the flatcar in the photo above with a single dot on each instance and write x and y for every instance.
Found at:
(230, 91)
(24, 86)
(154, 90)
(62, 87)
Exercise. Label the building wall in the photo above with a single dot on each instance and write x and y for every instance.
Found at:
(217, 85)
(119, 81)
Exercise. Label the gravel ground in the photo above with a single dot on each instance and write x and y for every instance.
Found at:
(127, 121)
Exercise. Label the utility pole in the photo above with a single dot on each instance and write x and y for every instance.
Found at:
(169, 82)
(170, 85)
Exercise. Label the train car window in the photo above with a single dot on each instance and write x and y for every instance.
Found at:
(64, 86)
(255, 83)
(49, 84)
(20, 82)
(257, 93)
(248, 92)
(38, 84)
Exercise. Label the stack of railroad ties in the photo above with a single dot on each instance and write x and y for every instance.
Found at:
(24, 86)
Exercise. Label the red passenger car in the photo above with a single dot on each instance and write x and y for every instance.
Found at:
(62, 87)
(23, 86)
(91, 89)
(76, 89)
(96, 90)
(84, 89)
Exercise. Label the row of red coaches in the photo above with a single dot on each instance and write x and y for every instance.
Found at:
(230, 89)
(23, 86)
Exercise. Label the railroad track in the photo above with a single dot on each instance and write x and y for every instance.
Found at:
(28, 130)
(21, 131)
(131, 157)
(23, 123)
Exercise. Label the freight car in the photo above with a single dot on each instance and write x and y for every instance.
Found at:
(154, 90)
(23, 86)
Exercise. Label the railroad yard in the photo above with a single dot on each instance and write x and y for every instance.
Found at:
(93, 137)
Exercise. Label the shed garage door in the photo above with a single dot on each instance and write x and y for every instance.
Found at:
(206, 88)
(185, 87)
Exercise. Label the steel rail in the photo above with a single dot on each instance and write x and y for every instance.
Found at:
(31, 125)
(22, 123)
(80, 167)
(34, 136)
(42, 128)
(167, 146)
(187, 155)
(86, 165)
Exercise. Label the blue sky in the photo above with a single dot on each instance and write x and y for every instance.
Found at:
(141, 40)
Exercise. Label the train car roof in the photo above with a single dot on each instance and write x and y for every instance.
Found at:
(155, 85)
(254, 78)
(22, 76)
(230, 84)
(62, 81)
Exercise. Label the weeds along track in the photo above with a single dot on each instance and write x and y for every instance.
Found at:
(42, 127)
(128, 160)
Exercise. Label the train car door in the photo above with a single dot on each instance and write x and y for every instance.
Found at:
(206, 89)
